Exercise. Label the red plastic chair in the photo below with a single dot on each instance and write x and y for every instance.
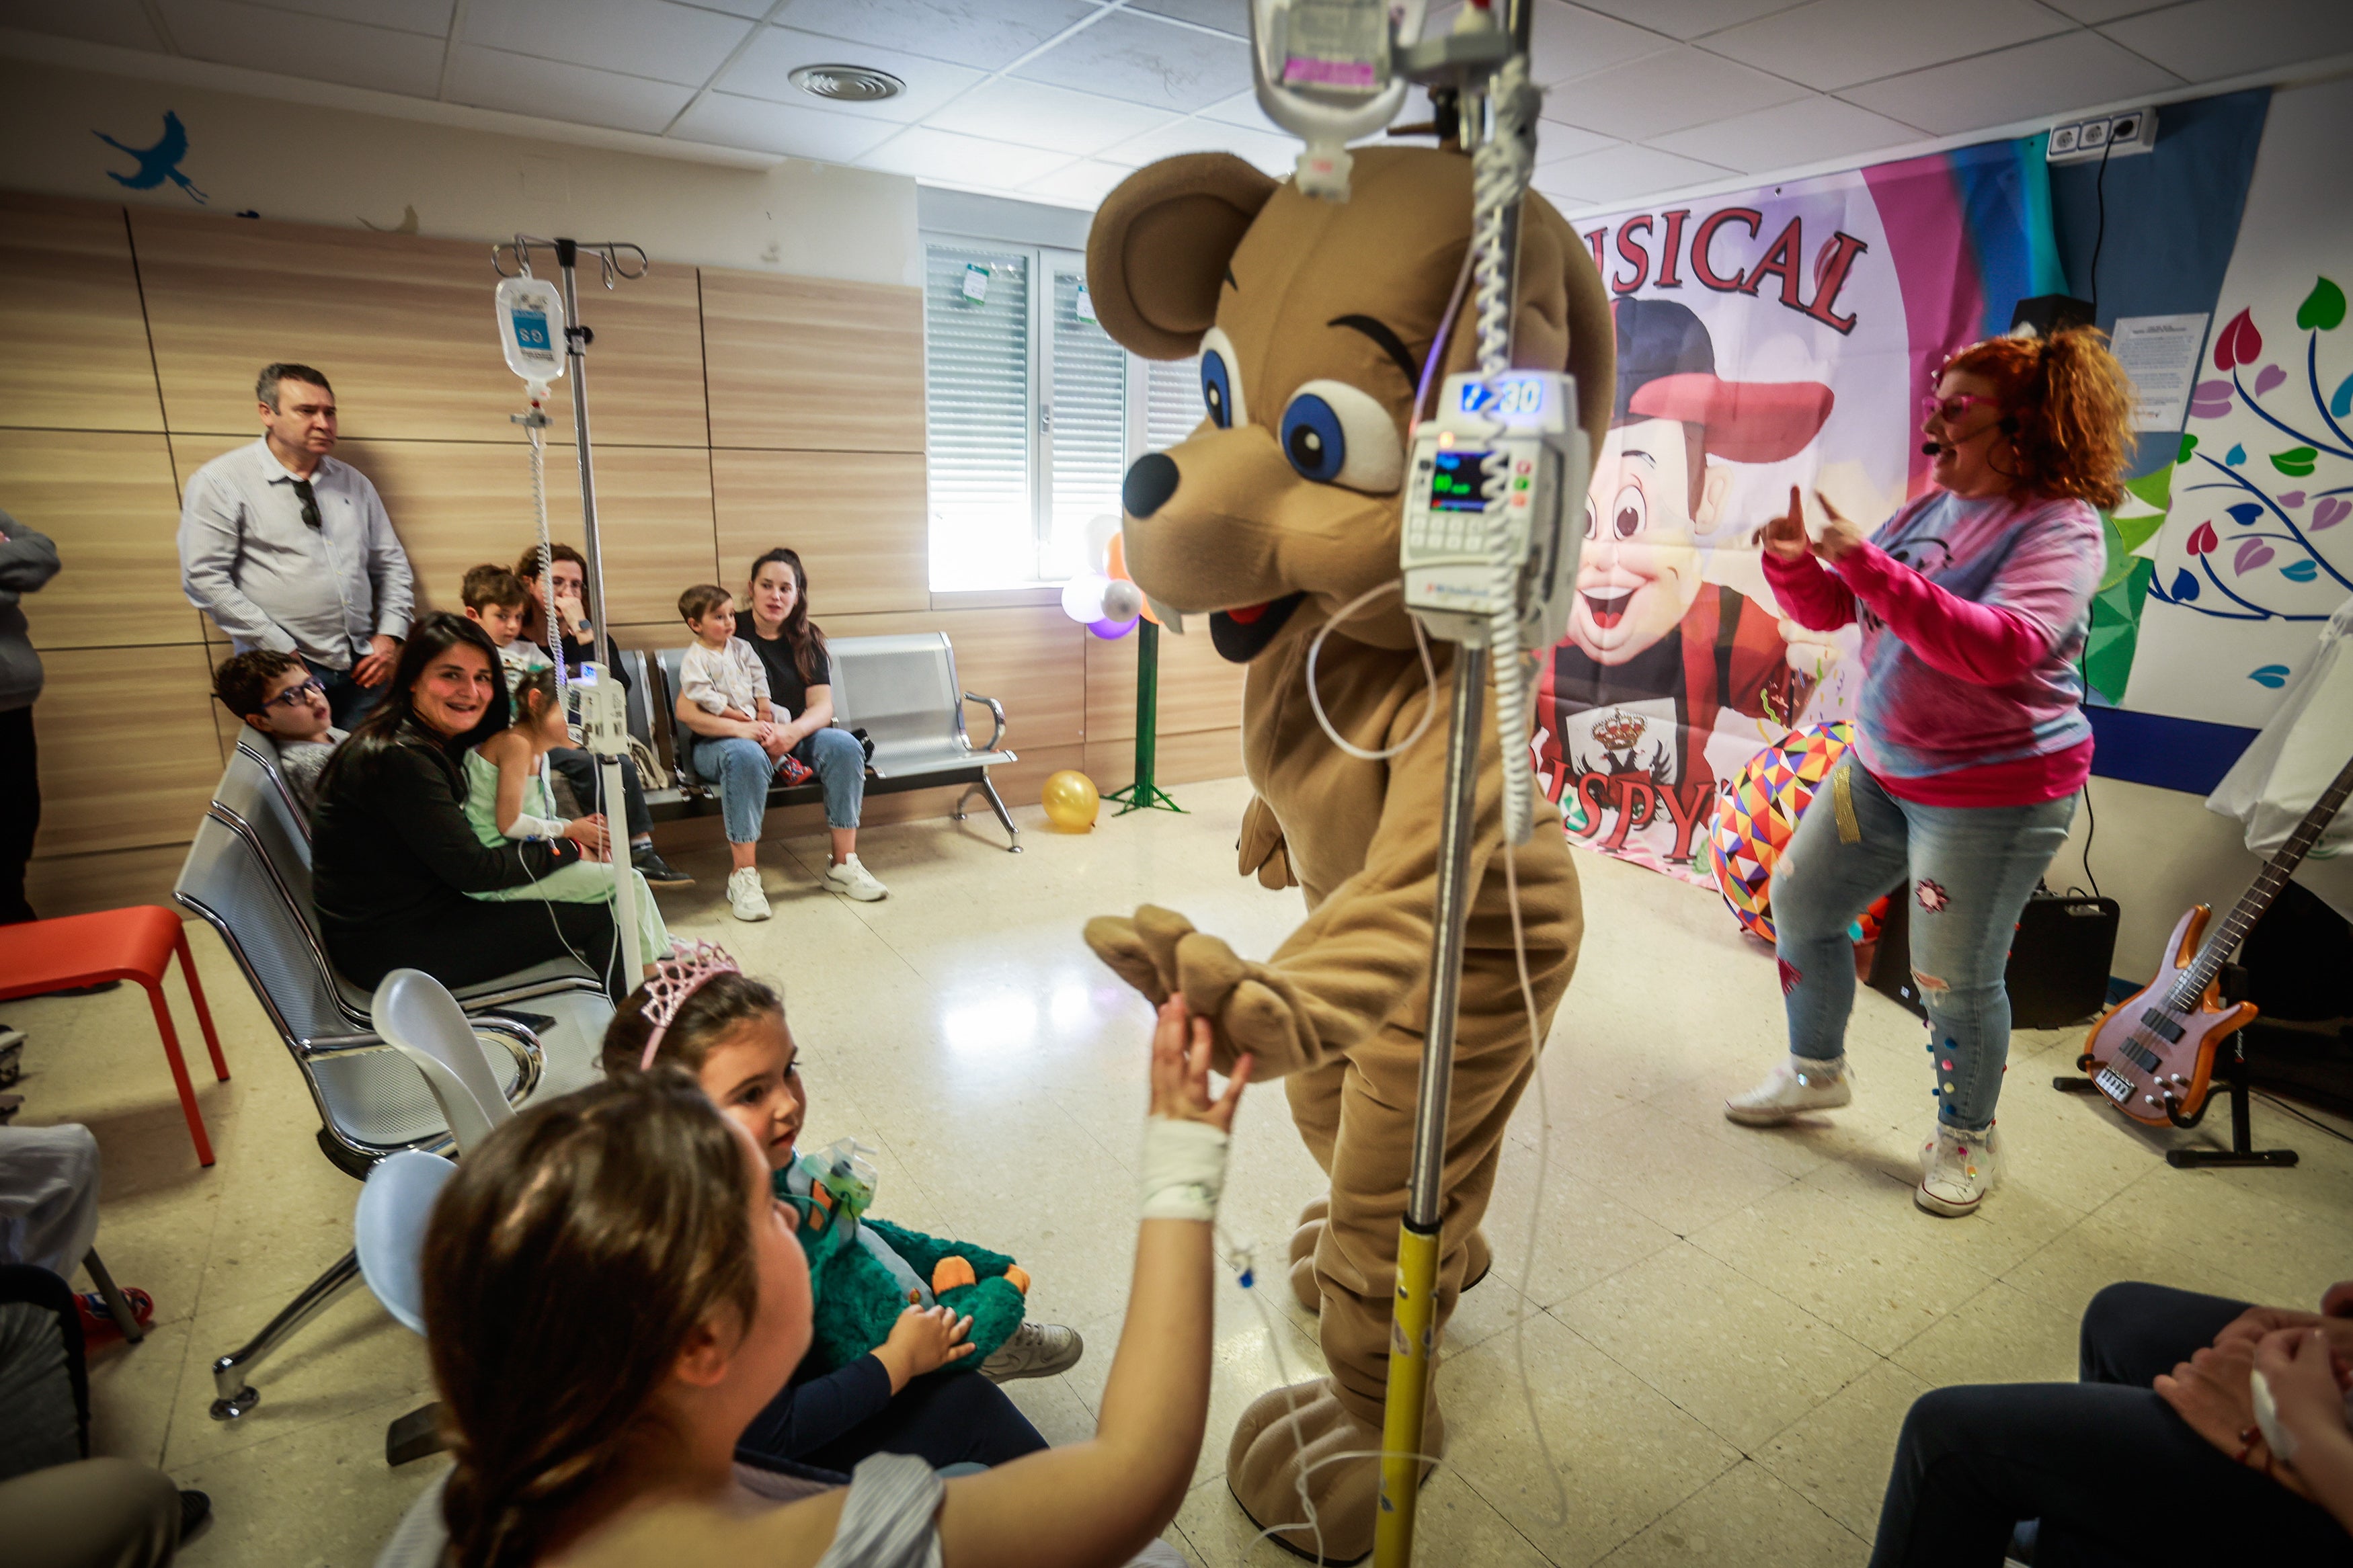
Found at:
(40, 956)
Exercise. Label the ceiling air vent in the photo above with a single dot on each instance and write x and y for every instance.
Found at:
(847, 84)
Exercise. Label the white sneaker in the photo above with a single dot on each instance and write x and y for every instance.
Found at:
(744, 895)
(1956, 1166)
(1794, 1087)
(855, 880)
(1036, 1350)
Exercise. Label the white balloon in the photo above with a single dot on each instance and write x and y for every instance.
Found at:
(1100, 532)
(1082, 598)
(1122, 600)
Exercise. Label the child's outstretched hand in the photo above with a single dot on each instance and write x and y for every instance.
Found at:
(923, 1340)
(1180, 1070)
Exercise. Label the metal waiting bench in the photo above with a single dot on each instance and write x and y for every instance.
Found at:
(902, 690)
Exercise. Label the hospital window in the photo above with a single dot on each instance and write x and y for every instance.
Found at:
(1032, 413)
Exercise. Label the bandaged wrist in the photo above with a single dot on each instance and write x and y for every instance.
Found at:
(527, 827)
(1184, 1169)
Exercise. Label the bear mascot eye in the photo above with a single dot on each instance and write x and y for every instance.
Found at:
(1335, 435)
(1222, 381)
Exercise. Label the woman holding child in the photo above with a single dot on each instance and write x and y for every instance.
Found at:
(393, 857)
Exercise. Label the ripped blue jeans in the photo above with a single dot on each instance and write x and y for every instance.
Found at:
(1967, 871)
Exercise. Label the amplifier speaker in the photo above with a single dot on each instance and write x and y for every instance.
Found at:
(2059, 959)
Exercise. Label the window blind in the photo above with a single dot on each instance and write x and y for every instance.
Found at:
(977, 411)
(1173, 409)
(1088, 428)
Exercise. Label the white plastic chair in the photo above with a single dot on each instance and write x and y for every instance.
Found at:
(416, 1014)
(388, 1230)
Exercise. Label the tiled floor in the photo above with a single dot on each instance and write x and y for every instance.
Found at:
(1722, 1327)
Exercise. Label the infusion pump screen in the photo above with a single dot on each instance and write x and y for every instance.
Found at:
(1458, 481)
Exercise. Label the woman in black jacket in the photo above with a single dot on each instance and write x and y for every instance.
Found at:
(393, 856)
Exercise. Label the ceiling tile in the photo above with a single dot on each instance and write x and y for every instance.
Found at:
(1035, 115)
(1663, 92)
(929, 154)
(1226, 16)
(494, 79)
(639, 37)
(428, 17)
(1276, 155)
(1616, 174)
(122, 23)
(755, 9)
(1831, 44)
(2029, 81)
(989, 34)
(315, 46)
(1557, 140)
(1083, 183)
(2210, 39)
(1567, 41)
(764, 70)
(1242, 110)
(1686, 18)
(1789, 134)
(2092, 11)
(1144, 61)
(724, 120)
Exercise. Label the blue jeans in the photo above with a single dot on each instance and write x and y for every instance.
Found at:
(742, 772)
(347, 700)
(1968, 871)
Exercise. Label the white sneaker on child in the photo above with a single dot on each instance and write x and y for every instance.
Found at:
(1957, 1165)
(744, 895)
(1036, 1350)
(1793, 1088)
(852, 878)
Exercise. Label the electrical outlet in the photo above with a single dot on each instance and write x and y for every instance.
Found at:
(2110, 136)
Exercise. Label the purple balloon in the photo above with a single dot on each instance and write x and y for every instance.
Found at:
(1111, 630)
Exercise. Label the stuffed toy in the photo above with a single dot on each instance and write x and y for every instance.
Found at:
(1314, 321)
(864, 1272)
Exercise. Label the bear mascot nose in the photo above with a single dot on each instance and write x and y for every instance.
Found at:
(1150, 482)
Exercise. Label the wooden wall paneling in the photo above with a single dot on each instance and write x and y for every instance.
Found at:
(1028, 659)
(107, 498)
(81, 884)
(813, 363)
(1186, 758)
(128, 757)
(859, 521)
(77, 353)
(403, 326)
(1198, 691)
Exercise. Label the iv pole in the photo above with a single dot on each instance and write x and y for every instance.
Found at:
(618, 259)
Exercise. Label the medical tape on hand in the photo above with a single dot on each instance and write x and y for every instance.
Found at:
(1184, 1169)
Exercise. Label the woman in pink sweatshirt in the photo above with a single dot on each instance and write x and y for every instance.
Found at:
(1974, 600)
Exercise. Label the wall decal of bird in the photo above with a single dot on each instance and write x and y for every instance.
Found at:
(159, 162)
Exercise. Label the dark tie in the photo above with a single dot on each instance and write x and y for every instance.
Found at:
(310, 503)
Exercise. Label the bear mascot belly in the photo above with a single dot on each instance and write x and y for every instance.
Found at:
(1313, 321)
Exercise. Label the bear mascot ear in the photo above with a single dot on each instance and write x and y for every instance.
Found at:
(1158, 249)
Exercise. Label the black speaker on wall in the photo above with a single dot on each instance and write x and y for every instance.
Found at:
(2059, 958)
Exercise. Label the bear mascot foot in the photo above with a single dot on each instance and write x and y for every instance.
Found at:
(1291, 1431)
(1303, 1242)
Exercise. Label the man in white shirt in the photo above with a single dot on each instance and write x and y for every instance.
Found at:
(288, 548)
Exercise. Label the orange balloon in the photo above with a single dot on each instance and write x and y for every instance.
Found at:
(1115, 565)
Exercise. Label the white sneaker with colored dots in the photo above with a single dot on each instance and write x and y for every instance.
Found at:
(1957, 1165)
(1795, 1086)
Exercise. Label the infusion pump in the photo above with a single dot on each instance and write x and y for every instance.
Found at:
(1468, 553)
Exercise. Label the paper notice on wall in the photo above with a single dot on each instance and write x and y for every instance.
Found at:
(2160, 354)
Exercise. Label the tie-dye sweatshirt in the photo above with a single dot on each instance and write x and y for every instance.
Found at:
(1973, 613)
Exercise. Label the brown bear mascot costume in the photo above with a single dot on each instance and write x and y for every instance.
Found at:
(1312, 319)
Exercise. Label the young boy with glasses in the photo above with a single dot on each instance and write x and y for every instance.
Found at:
(277, 695)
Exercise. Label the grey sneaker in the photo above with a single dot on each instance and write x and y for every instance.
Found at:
(1036, 1350)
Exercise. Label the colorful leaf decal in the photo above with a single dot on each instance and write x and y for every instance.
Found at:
(2271, 375)
(2245, 512)
(2203, 539)
(2235, 455)
(2295, 460)
(2251, 553)
(2154, 487)
(2185, 588)
(2238, 343)
(2341, 401)
(2190, 443)
(2288, 501)
(2332, 510)
(2271, 675)
(2211, 408)
(2323, 309)
(2302, 572)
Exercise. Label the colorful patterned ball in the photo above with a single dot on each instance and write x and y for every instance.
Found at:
(1757, 813)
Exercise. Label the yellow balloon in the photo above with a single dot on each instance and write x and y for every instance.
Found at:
(1071, 801)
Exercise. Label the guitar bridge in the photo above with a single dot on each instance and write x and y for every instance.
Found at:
(2115, 1085)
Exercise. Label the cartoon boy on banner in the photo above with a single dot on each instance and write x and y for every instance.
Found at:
(1659, 688)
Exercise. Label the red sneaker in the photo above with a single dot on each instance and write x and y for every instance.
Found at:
(98, 1325)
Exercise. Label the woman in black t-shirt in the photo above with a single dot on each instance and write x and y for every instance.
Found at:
(800, 689)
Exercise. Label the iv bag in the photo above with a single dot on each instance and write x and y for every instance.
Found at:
(530, 328)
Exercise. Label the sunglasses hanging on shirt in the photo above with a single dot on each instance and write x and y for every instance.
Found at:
(310, 504)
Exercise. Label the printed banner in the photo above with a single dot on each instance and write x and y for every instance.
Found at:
(1782, 337)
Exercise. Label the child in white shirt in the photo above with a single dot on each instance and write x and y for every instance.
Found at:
(730, 734)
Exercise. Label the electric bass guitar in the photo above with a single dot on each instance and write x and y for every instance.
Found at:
(2153, 1054)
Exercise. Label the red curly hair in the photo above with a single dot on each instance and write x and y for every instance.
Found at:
(2072, 406)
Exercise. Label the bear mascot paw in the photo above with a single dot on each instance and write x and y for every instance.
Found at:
(1300, 1434)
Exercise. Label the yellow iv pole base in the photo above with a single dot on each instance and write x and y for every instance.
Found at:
(1413, 1342)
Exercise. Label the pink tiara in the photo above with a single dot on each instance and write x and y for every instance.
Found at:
(676, 978)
